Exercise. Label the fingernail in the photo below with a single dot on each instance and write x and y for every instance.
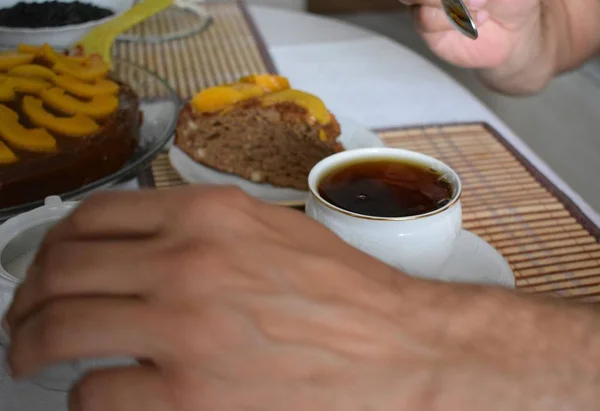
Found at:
(476, 4)
(482, 16)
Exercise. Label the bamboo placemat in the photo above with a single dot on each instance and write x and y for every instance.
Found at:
(550, 244)
(552, 247)
(227, 50)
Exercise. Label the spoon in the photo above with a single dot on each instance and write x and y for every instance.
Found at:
(461, 19)
(100, 39)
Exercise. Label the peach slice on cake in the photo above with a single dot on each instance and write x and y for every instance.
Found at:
(20, 137)
(78, 125)
(98, 107)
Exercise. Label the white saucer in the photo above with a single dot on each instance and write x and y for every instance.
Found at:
(353, 136)
(474, 261)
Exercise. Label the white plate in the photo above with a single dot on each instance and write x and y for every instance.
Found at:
(474, 261)
(353, 136)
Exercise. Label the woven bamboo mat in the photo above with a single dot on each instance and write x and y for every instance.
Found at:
(227, 50)
(550, 245)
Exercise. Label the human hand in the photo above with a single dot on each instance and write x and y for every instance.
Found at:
(515, 51)
(233, 304)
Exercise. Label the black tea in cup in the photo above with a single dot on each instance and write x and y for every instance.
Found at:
(388, 188)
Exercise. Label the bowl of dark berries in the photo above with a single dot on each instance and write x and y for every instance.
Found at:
(57, 22)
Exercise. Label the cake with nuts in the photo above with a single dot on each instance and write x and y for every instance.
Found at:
(260, 129)
(64, 123)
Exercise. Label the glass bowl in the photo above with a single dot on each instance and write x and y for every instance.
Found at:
(160, 106)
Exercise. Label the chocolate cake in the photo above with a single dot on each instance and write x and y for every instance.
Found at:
(259, 129)
(54, 140)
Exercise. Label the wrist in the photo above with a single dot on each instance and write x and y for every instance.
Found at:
(535, 354)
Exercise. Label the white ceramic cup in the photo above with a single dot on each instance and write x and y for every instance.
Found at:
(419, 245)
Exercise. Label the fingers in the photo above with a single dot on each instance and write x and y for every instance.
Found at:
(114, 214)
(97, 250)
(67, 330)
(121, 389)
(63, 269)
(432, 19)
(148, 213)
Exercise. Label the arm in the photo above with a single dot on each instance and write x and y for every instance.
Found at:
(570, 31)
(255, 319)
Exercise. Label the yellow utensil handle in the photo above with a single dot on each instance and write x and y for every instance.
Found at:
(134, 15)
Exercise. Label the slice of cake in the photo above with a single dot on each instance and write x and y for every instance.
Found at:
(259, 129)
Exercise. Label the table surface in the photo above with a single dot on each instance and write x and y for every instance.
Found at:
(377, 81)
(360, 75)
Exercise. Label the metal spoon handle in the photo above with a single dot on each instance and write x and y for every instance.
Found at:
(461, 19)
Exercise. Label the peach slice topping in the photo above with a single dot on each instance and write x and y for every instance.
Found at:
(24, 84)
(98, 107)
(220, 97)
(18, 136)
(32, 70)
(269, 82)
(79, 125)
(248, 90)
(313, 105)
(30, 49)
(7, 92)
(51, 56)
(86, 90)
(10, 60)
(6, 155)
(91, 69)
(216, 98)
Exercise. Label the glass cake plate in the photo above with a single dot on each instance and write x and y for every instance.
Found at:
(160, 106)
(183, 19)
